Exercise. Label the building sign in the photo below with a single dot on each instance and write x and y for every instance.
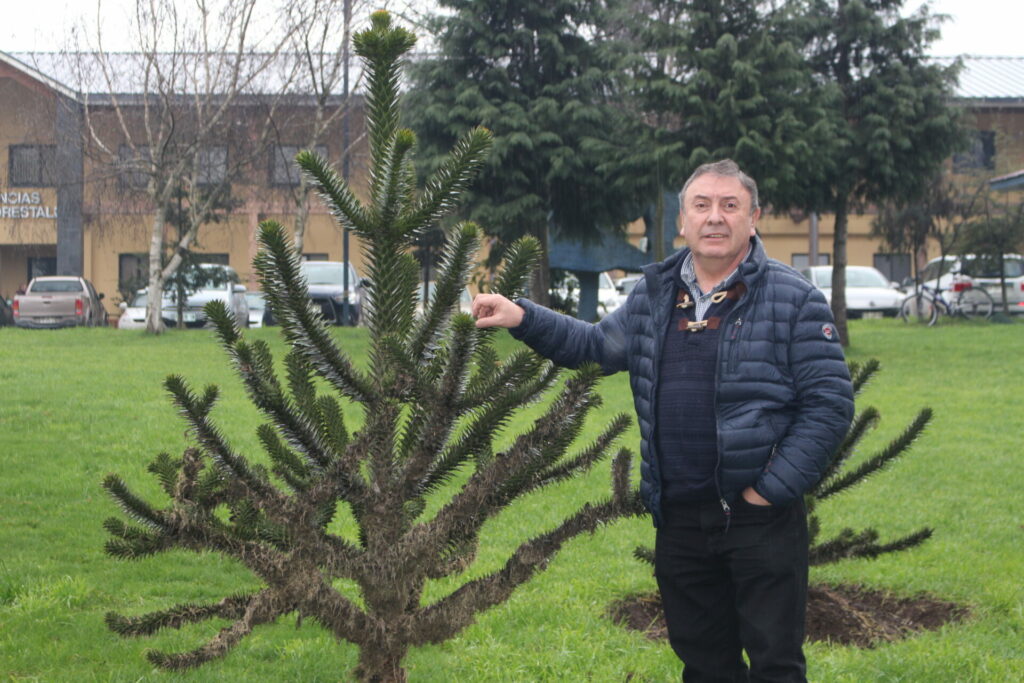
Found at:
(17, 204)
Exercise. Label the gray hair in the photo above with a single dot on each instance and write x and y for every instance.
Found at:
(728, 169)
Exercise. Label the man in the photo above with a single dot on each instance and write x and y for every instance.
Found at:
(742, 396)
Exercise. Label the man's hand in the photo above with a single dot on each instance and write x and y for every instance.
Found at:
(753, 497)
(494, 310)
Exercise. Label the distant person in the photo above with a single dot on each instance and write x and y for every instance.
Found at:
(742, 395)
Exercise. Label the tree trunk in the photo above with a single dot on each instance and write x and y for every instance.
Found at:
(155, 291)
(659, 224)
(541, 281)
(839, 269)
(301, 215)
(379, 663)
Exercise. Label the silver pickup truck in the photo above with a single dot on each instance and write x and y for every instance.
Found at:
(59, 301)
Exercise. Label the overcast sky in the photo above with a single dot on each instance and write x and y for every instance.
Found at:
(977, 27)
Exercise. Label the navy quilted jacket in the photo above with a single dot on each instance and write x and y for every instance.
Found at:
(783, 393)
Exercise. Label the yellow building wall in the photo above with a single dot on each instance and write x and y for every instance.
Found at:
(27, 116)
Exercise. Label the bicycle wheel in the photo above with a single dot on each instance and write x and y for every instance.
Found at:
(918, 308)
(975, 304)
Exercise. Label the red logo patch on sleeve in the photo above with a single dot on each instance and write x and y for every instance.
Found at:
(829, 331)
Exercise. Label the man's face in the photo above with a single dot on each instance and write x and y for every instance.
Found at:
(717, 222)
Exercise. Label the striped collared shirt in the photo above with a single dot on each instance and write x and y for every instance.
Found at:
(703, 299)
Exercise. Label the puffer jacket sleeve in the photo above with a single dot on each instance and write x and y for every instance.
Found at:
(569, 342)
(824, 404)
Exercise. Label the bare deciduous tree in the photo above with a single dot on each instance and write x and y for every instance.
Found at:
(185, 115)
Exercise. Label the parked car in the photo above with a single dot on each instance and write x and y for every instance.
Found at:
(133, 313)
(259, 313)
(608, 298)
(969, 270)
(326, 280)
(869, 294)
(465, 299)
(222, 283)
(6, 313)
(623, 287)
(59, 301)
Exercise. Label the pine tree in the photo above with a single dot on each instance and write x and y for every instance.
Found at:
(541, 75)
(434, 398)
(895, 124)
(849, 543)
(715, 79)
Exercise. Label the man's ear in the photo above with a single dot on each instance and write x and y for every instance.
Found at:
(753, 222)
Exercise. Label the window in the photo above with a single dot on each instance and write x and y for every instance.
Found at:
(132, 273)
(801, 261)
(283, 170)
(896, 267)
(221, 259)
(988, 266)
(32, 165)
(134, 166)
(981, 154)
(56, 286)
(41, 266)
(213, 165)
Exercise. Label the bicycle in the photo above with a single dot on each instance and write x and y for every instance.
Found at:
(925, 306)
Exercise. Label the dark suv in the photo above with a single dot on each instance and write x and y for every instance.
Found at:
(326, 280)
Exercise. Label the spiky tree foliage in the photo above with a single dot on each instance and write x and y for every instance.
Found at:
(837, 478)
(434, 399)
(849, 543)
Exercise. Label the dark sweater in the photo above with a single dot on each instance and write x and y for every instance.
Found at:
(687, 434)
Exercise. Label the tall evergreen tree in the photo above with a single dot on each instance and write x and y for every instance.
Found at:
(540, 75)
(896, 124)
(711, 79)
(434, 399)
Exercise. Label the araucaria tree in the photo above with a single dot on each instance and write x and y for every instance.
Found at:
(433, 399)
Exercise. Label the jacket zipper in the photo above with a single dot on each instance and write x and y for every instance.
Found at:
(733, 334)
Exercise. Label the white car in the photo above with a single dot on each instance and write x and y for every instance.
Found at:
(869, 294)
(221, 284)
(257, 308)
(608, 298)
(133, 313)
(465, 299)
(623, 287)
(971, 271)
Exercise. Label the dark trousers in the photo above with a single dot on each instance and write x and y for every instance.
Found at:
(728, 590)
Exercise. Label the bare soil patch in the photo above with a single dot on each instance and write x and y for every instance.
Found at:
(846, 615)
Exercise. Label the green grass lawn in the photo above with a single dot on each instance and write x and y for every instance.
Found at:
(76, 404)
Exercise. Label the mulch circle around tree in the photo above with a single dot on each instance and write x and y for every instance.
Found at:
(844, 615)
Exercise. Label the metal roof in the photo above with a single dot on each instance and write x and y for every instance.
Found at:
(125, 73)
(990, 78)
(987, 78)
(1008, 181)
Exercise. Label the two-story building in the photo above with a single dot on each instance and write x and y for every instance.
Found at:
(65, 208)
